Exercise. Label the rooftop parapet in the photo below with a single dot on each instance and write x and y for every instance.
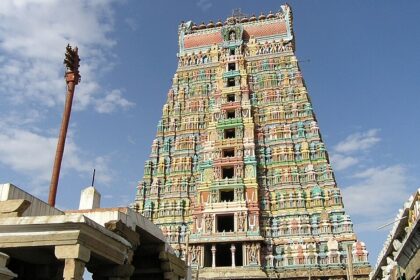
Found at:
(37, 207)
(273, 26)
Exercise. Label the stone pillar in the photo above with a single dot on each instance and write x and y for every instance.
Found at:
(233, 249)
(90, 198)
(213, 216)
(213, 256)
(73, 269)
(5, 273)
(75, 257)
(235, 222)
(349, 262)
(194, 229)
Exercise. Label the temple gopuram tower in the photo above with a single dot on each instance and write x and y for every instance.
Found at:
(238, 178)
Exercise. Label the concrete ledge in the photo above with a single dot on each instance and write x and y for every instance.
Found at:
(129, 217)
(13, 207)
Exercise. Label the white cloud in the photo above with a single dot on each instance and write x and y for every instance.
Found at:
(33, 36)
(341, 162)
(132, 23)
(32, 154)
(359, 141)
(377, 192)
(27, 152)
(204, 5)
(112, 101)
(21, 117)
(131, 140)
(352, 149)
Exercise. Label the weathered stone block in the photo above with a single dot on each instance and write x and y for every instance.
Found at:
(76, 251)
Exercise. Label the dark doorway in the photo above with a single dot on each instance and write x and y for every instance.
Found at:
(207, 255)
(226, 195)
(232, 51)
(238, 254)
(227, 172)
(229, 153)
(230, 114)
(232, 66)
(231, 98)
(225, 223)
(229, 133)
(231, 82)
(223, 255)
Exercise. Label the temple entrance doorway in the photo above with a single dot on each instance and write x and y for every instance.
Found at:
(238, 254)
(223, 255)
(207, 255)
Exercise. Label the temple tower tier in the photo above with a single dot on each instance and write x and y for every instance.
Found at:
(239, 178)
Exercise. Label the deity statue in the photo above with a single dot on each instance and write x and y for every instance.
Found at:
(238, 172)
(253, 254)
(239, 194)
(209, 223)
(214, 196)
(241, 221)
(232, 36)
(249, 171)
(195, 251)
(183, 233)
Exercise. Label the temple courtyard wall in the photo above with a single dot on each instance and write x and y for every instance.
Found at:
(40, 242)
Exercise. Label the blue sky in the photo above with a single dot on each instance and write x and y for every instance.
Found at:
(362, 77)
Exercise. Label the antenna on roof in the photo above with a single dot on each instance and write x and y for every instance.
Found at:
(93, 177)
(237, 13)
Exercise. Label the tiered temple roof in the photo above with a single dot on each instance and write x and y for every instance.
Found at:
(239, 178)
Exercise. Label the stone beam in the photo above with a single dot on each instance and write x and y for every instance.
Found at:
(123, 230)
